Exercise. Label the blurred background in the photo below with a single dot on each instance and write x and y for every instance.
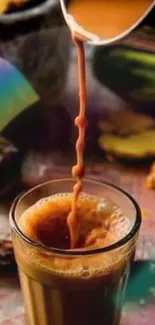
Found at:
(39, 101)
(38, 104)
(39, 95)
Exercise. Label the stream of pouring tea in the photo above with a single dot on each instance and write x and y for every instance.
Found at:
(81, 123)
(105, 19)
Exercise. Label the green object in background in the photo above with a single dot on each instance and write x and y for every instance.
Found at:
(16, 93)
(128, 72)
(141, 285)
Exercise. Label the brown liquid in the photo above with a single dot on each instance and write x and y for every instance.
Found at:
(107, 18)
(69, 290)
(80, 122)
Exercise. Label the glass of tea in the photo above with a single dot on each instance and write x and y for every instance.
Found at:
(84, 285)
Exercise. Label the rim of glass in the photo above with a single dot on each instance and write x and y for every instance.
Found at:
(77, 252)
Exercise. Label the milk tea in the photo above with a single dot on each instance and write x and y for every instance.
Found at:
(84, 286)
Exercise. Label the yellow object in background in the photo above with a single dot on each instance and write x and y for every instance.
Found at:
(128, 134)
(150, 179)
(145, 213)
(5, 4)
(136, 146)
(126, 122)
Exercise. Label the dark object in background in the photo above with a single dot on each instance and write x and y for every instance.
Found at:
(40, 128)
(59, 127)
(6, 149)
(128, 72)
(128, 68)
(92, 135)
(9, 164)
(29, 4)
(36, 41)
(7, 260)
(150, 19)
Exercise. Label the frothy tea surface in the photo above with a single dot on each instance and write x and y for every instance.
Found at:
(100, 221)
(73, 289)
